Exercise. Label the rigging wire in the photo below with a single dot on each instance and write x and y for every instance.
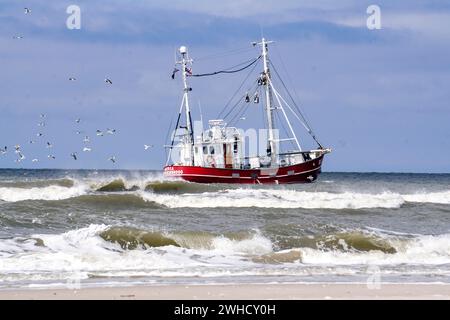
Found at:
(227, 70)
(300, 113)
(244, 105)
(239, 101)
(290, 82)
(225, 53)
(234, 95)
(280, 121)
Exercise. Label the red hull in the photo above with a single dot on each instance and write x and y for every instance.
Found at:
(300, 173)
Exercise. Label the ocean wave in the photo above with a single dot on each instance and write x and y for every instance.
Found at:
(53, 192)
(276, 198)
(179, 194)
(429, 197)
(99, 250)
(63, 182)
(427, 250)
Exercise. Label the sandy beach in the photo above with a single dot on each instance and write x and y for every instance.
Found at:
(240, 292)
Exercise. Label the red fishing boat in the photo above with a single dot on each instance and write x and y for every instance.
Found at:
(218, 154)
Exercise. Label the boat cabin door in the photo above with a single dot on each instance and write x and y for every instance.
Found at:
(227, 155)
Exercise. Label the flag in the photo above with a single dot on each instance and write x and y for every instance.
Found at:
(175, 70)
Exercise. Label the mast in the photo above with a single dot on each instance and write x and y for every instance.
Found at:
(185, 60)
(271, 147)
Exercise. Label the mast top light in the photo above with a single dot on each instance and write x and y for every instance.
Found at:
(183, 50)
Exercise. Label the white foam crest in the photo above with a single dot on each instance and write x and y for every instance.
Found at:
(275, 198)
(430, 197)
(83, 250)
(427, 250)
(256, 245)
(52, 192)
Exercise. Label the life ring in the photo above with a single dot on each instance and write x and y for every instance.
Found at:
(211, 161)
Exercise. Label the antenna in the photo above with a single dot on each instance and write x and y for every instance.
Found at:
(201, 113)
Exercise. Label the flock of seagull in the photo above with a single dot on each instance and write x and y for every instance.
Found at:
(20, 156)
(48, 145)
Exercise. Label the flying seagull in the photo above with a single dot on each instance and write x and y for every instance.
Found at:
(72, 79)
(86, 139)
(50, 156)
(78, 120)
(112, 159)
(32, 141)
(4, 150)
(99, 133)
(108, 81)
(147, 146)
(74, 155)
(42, 115)
(41, 124)
(21, 156)
(18, 37)
(17, 147)
(39, 134)
(86, 149)
(35, 160)
(49, 145)
(26, 10)
(110, 131)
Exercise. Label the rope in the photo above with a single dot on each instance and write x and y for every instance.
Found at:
(226, 71)
(234, 95)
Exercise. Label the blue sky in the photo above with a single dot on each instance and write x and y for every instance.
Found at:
(378, 98)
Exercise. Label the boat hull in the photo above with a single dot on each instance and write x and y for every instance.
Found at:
(305, 172)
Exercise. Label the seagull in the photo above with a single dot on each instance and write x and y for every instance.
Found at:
(110, 131)
(42, 115)
(86, 149)
(32, 141)
(5, 150)
(78, 132)
(242, 118)
(99, 133)
(78, 120)
(49, 145)
(72, 79)
(147, 146)
(18, 37)
(41, 124)
(17, 147)
(50, 156)
(86, 139)
(112, 159)
(35, 160)
(39, 134)
(108, 81)
(21, 156)
(74, 155)
(27, 10)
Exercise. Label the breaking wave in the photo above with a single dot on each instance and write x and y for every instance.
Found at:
(179, 194)
(100, 250)
(54, 192)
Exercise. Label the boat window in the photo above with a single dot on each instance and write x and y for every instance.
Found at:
(211, 149)
(235, 146)
(196, 149)
(205, 150)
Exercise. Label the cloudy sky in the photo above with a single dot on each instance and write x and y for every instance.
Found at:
(379, 98)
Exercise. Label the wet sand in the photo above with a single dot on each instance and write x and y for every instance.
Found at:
(239, 291)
